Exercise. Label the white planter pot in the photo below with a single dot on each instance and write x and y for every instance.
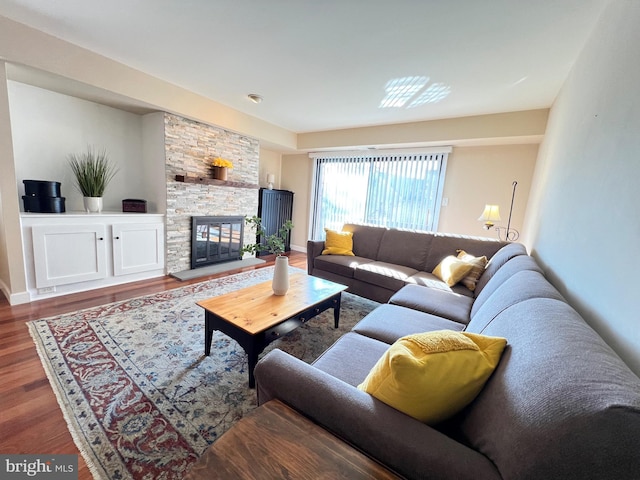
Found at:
(280, 283)
(93, 204)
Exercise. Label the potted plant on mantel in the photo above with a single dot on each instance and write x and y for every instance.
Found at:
(220, 167)
(274, 244)
(93, 171)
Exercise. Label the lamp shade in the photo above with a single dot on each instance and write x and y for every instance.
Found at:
(490, 214)
(271, 178)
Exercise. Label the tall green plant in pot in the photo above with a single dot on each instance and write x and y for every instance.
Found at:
(275, 244)
(93, 171)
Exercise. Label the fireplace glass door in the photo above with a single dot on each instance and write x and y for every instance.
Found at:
(215, 240)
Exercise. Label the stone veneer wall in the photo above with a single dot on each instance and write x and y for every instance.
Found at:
(190, 148)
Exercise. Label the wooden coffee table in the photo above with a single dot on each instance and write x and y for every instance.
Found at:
(274, 441)
(255, 317)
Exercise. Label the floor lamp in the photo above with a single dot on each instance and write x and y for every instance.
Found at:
(491, 214)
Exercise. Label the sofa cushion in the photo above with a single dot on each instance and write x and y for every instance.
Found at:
(496, 261)
(387, 275)
(523, 285)
(340, 264)
(428, 279)
(388, 323)
(338, 243)
(452, 269)
(431, 376)
(362, 354)
(442, 303)
(443, 245)
(477, 269)
(561, 403)
(405, 247)
(507, 270)
(366, 239)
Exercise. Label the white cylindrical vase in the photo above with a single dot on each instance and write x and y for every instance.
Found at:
(93, 204)
(280, 282)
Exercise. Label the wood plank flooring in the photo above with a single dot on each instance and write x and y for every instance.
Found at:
(30, 419)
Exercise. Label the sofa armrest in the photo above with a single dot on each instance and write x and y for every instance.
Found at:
(314, 249)
(401, 443)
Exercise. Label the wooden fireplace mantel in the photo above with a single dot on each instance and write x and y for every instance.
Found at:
(212, 181)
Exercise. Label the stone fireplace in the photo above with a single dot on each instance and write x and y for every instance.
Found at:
(190, 147)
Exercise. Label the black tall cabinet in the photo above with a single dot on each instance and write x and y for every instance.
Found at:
(274, 208)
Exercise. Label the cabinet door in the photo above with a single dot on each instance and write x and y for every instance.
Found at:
(65, 254)
(137, 247)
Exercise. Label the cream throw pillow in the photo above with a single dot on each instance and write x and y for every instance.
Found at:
(432, 376)
(451, 270)
(478, 266)
(338, 243)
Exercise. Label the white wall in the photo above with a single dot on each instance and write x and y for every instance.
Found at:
(509, 127)
(12, 279)
(583, 221)
(484, 175)
(297, 176)
(48, 126)
(270, 162)
(154, 162)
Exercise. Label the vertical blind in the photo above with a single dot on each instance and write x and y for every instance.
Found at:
(401, 189)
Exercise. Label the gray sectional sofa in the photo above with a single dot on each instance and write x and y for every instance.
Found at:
(560, 405)
(387, 259)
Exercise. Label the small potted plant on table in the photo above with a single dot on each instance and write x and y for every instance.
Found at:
(275, 244)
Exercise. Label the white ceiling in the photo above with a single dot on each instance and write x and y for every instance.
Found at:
(326, 64)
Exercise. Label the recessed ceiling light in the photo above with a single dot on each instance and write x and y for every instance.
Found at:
(254, 97)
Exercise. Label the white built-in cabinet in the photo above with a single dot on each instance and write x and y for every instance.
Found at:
(72, 252)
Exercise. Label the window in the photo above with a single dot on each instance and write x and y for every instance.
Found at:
(395, 188)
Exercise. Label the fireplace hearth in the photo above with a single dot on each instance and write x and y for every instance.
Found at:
(216, 240)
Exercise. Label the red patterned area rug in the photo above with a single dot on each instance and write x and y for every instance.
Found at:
(140, 398)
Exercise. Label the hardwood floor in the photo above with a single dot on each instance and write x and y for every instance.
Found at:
(30, 419)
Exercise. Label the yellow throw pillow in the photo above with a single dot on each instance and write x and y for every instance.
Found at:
(451, 270)
(477, 269)
(432, 376)
(338, 243)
